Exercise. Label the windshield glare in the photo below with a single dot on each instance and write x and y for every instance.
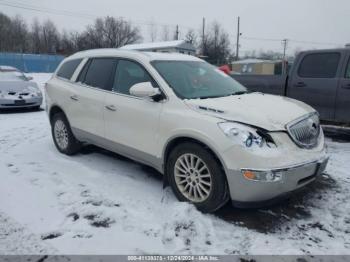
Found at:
(12, 76)
(197, 79)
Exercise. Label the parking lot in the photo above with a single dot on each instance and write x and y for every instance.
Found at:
(98, 202)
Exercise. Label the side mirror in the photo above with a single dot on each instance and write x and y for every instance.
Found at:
(29, 78)
(144, 89)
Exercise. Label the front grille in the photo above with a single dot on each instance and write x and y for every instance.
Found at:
(305, 131)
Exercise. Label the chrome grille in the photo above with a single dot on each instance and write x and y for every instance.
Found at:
(305, 131)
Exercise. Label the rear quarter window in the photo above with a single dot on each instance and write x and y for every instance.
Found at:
(321, 65)
(68, 68)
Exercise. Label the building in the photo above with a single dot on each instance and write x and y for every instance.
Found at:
(177, 46)
(254, 66)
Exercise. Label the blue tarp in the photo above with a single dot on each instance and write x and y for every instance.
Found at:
(31, 62)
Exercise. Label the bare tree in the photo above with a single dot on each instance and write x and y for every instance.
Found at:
(36, 43)
(5, 27)
(152, 31)
(108, 32)
(216, 45)
(50, 37)
(18, 35)
(165, 33)
(191, 37)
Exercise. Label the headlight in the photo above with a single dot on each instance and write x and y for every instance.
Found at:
(246, 135)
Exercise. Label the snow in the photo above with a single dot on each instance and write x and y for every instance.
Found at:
(98, 202)
(252, 61)
(153, 45)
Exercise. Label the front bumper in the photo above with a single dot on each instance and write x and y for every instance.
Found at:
(20, 103)
(246, 192)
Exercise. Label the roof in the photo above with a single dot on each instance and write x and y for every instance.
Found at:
(161, 45)
(253, 61)
(133, 54)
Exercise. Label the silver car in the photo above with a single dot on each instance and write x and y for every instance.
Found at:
(17, 91)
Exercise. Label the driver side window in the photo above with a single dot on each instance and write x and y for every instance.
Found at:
(129, 73)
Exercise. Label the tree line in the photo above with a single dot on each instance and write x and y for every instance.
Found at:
(16, 35)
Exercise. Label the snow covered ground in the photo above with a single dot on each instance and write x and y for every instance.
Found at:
(98, 202)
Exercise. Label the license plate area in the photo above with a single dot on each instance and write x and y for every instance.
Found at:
(20, 102)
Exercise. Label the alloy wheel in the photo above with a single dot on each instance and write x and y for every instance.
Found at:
(193, 177)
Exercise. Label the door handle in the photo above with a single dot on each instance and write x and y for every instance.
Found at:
(74, 97)
(111, 108)
(300, 84)
(346, 86)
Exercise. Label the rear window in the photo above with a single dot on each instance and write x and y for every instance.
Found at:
(100, 73)
(322, 65)
(67, 69)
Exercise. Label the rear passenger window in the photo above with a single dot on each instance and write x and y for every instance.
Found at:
(128, 74)
(322, 65)
(100, 73)
(347, 72)
(67, 69)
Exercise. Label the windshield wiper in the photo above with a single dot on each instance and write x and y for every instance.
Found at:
(240, 93)
(206, 97)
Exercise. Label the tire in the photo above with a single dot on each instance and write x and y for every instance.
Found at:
(62, 135)
(201, 169)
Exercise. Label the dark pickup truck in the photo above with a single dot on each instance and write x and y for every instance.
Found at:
(320, 78)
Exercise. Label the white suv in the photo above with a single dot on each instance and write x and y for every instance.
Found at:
(212, 140)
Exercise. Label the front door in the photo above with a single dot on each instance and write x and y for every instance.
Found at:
(131, 122)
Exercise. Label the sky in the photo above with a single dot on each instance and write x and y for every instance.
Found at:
(307, 24)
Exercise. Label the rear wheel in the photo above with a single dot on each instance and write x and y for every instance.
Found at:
(196, 176)
(63, 136)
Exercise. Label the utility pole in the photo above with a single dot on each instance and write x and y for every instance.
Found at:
(238, 35)
(203, 36)
(284, 62)
(177, 32)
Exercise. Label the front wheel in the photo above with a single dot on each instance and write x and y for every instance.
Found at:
(63, 136)
(196, 176)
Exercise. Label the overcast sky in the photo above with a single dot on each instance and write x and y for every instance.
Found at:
(323, 22)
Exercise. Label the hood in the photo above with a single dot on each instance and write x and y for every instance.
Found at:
(18, 86)
(269, 112)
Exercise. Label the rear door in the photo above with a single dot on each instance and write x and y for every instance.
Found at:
(342, 113)
(314, 81)
(87, 100)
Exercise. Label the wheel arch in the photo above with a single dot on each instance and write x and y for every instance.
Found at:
(175, 141)
(54, 110)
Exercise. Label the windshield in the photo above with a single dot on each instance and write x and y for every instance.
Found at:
(197, 79)
(12, 76)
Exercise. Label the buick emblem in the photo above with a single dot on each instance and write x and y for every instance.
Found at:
(313, 127)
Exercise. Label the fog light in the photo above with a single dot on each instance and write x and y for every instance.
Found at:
(262, 176)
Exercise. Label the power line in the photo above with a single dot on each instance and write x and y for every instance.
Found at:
(291, 40)
(47, 10)
(313, 43)
(24, 6)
